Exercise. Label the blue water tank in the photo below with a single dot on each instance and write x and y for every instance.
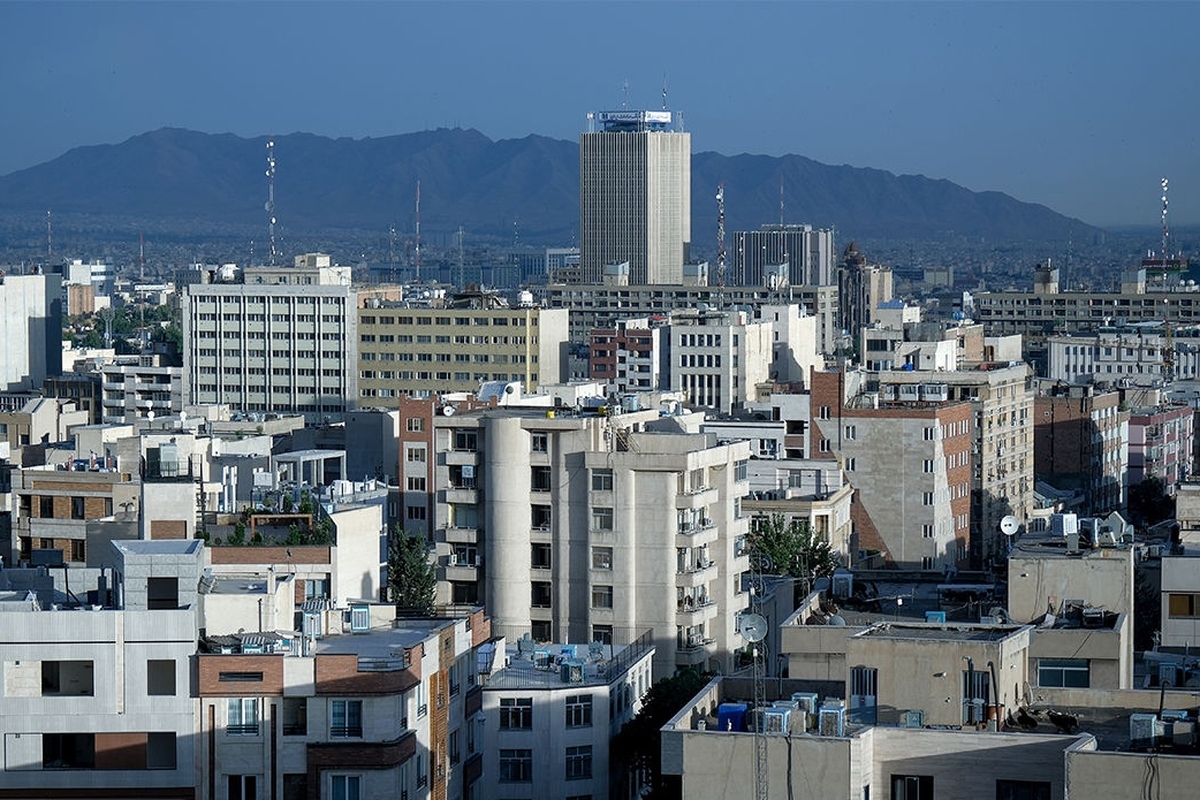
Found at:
(731, 717)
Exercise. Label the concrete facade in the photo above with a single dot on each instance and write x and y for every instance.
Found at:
(612, 528)
(635, 191)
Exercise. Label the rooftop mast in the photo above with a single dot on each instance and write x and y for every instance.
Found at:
(721, 234)
(271, 197)
(417, 246)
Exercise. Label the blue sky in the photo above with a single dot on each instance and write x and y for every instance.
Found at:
(1081, 106)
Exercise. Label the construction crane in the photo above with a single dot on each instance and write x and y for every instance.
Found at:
(721, 234)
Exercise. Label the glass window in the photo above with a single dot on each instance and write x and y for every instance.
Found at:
(345, 719)
(602, 557)
(579, 762)
(602, 519)
(602, 597)
(516, 713)
(1063, 673)
(516, 766)
(345, 787)
(242, 716)
(579, 710)
(602, 480)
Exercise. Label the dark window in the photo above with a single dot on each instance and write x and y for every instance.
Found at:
(1022, 790)
(346, 719)
(160, 750)
(912, 787)
(516, 713)
(242, 787)
(579, 762)
(540, 594)
(68, 751)
(539, 556)
(67, 679)
(162, 594)
(295, 786)
(295, 716)
(160, 678)
(516, 766)
(235, 677)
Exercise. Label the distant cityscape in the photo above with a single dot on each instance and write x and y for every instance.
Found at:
(664, 510)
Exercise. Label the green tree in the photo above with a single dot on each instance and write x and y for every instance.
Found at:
(637, 747)
(412, 578)
(1149, 502)
(789, 547)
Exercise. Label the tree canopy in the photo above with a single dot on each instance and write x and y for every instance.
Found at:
(412, 578)
(638, 745)
(789, 547)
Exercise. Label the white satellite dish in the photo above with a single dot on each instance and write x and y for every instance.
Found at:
(1009, 525)
(753, 627)
(448, 411)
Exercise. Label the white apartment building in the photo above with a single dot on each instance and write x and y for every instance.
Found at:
(30, 330)
(98, 698)
(1129, 356)
(583, 528)
(283, 340)
(718, 359)
(551, 713)
(635, 196)
(140, 387)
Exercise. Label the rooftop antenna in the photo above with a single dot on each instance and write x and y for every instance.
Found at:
(392, 249)
(664, 108)
(781, 198)
(721, 234)
(142, 281)
(417, 247)
(1165, 232)
(461, 279)
(49, 239)
(625, 90)
(271, 197)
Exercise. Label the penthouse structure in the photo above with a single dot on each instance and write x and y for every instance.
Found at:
(635, 194)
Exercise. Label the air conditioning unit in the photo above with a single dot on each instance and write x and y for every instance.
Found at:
(453, 561)
(1145, 730)
(1154, 551)
(831, 720)
(775, 721)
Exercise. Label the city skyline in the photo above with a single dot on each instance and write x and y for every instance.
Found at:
(1028, 99)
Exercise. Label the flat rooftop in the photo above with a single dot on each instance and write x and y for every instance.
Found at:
(936, 631)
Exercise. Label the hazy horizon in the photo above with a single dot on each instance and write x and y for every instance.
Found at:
(1029, 99)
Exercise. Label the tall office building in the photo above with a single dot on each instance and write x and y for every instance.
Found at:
(635, 184)
(807, 252)
(30, 330)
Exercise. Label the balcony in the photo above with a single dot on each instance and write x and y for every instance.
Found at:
(701, 497)
(455, 535)
(695, 652)
(460, 494)
(689, 607)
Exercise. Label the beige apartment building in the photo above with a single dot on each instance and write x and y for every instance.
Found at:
(587, 527)
(420, 351)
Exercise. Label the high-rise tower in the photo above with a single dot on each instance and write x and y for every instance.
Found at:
(635, 185)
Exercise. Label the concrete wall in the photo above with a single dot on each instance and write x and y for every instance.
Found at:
(1036, 580)
(1106, 774)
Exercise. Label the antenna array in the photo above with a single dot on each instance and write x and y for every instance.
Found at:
(270, 206)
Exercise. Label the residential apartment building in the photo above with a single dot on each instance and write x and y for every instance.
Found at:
(551, 713)
(54, 507)
(140, 387)
(97, 698)
(420, 352)
(357, 707)
(635, 196)
(586, 527)
(806, 253)
(862, 288)
(1001, 431)
(719, 359)
(280, 341)
(599, 306)
(910, 466)
(1161, 442)
(628, 357)
(1081, 443)
(1129, 356)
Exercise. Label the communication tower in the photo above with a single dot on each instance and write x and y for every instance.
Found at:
(721, 234)
(417, 244)
(270, 206)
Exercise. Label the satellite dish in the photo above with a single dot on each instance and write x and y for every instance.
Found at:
(837, 621)
(448, 411)
(1009, 525)
(753, 627)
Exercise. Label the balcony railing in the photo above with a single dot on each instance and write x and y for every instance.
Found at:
(346, 732)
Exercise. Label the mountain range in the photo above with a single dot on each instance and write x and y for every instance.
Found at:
(524, 188)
